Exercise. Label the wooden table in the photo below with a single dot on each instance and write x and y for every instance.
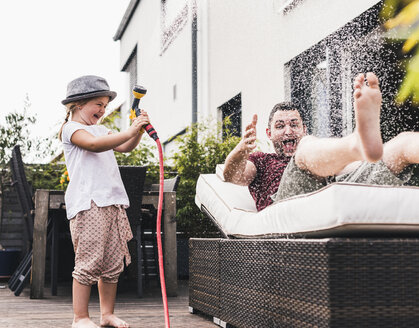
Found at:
(46, 200)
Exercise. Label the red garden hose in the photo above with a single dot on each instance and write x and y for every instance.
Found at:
(139, 92)
(158, 231)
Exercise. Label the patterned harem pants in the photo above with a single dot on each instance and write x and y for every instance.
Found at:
(100, 237)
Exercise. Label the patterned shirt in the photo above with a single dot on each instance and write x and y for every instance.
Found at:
(269, 170)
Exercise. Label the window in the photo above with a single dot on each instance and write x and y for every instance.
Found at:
(321, 79)
(314, 90)
(231, 112)
(319, 93)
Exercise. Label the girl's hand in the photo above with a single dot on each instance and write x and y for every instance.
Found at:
(143, 118)
(138, 123)
(135, 127)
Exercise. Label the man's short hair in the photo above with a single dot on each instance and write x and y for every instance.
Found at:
(286, 105)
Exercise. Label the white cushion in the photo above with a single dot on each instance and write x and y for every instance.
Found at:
(337, 209)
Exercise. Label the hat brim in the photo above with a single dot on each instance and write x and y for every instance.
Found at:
(110, 94)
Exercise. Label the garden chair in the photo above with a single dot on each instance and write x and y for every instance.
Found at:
(133, 178)
(21, 185)
(20, 277)
(148, 231)
(343, 256)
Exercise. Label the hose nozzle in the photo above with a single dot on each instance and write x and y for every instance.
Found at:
(139, 91)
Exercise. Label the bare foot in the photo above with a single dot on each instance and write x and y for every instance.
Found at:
(112, 320)
(84, 323)
(367, 104)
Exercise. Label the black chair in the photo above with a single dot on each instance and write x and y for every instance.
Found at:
(21, 185)
(133, 178)
(21, 276)
(148, 232)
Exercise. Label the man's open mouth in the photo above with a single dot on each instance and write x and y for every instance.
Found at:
(290, 142)
(289, 145)
(97, 116)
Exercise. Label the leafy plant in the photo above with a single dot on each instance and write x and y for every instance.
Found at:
(17, 130)
(64, 179)
(402, 22)
(44, 176)
(199, 151)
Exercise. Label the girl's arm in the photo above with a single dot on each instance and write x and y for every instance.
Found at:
(87, 141)
(134, 141)
(130, 144)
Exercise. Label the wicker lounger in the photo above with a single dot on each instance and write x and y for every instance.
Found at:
(370, 280)
(333, 282)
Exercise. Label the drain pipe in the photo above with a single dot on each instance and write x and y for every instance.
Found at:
(194, 63)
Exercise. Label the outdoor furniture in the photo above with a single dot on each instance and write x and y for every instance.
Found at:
(20, 183)
(361, 271)
(133, 178)
(330, 282)
(148, 231)
(339, 209)
(53, 199)
(21, 276)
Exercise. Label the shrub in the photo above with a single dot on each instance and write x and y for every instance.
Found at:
(199, 151)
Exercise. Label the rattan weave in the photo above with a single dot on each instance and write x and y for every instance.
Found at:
(309, 283)
(204, 275)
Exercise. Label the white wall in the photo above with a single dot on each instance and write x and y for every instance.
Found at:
(242, 57)
(242, 47)
(312, 20)
(158, 71)
(244, 44)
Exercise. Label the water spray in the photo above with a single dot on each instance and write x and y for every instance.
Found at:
(139, 92)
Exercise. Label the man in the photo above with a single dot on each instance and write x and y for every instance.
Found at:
(262, 172)
(313, 162)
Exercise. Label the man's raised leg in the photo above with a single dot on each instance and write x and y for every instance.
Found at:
(329, 156)
(401, 151)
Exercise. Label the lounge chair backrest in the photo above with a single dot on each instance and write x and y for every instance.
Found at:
(169, 184)
(23, 190)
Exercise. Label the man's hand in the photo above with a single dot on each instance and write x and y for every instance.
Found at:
(237, 168)
(248, 142)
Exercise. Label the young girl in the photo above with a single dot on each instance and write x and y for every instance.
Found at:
(95, 197)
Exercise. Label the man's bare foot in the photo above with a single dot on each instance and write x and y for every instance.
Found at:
(84, 323)
(112, 320)
(367, 104)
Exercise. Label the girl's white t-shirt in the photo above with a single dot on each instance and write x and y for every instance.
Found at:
(93, 176)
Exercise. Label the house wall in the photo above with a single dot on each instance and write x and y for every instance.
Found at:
(312, 20)
(243, 46)
(159, 71)
(236, 41)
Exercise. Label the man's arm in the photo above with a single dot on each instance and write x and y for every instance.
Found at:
(237, 168)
